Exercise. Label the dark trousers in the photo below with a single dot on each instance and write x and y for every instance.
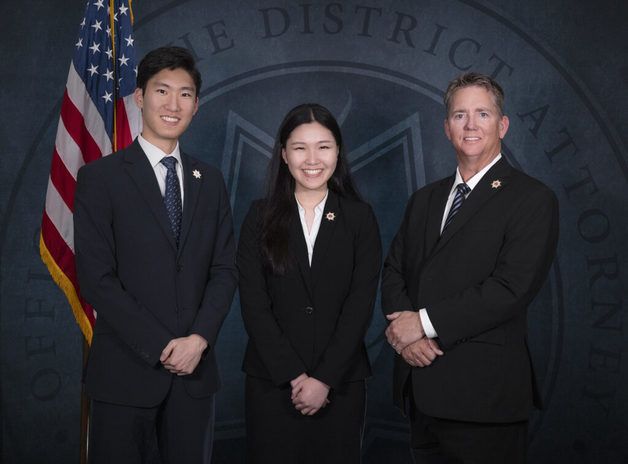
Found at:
(443, 441)
(277, 433)
(182, 425)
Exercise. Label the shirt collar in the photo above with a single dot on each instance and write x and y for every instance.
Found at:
(318, 209)
(475, 180)
(155, 154)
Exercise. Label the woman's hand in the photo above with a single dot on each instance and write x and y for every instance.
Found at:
(309, 396)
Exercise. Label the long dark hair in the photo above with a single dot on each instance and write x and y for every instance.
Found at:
(277, 212)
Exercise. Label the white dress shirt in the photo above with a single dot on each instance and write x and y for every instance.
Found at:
(310, 235)
(430, 332)
(154, 156)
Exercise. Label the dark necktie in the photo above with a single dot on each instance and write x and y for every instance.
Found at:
(172, 198)
(462, 190)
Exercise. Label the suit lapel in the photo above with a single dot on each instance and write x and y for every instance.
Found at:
(490, 185)
(437, 204)
(143, 175)
(299, 248)
(192, 182)
(331, 216)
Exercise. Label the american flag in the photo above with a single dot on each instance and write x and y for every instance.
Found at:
(98, 116)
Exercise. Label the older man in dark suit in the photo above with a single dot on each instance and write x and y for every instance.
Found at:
(156, 258)
(471, 253)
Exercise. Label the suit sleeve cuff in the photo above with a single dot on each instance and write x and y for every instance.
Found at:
(428, 328)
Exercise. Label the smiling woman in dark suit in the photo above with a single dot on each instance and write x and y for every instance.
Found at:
(309, 261)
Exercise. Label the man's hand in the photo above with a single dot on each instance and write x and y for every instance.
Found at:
(405, 328)
(182, 355)
(309, 396)
(421, 353)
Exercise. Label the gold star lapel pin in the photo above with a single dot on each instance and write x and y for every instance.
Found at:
(196, 173)
(496, 184)
(330, 216)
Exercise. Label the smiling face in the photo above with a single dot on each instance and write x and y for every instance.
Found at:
(168, 104)
(475, 126)
(311, 153)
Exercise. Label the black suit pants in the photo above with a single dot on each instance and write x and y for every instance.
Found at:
(277, 433)
(182, 426)
(442, 441)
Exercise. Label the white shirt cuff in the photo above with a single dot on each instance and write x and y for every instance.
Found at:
(428, 328)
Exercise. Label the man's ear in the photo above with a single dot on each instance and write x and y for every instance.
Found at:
(503, 126)
(138, 96)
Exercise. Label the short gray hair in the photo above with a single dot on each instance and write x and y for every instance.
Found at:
(482, 80)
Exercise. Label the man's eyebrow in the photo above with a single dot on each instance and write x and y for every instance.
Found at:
(164, 84)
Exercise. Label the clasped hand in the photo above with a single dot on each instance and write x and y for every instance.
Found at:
(182, 355)
(406, 335)
(309, 394)
(421, 353)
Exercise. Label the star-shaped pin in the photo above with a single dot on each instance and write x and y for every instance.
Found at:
(330, 216)
(496, 184)
(196, 173)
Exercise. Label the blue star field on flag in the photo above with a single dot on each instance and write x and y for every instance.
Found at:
(107, 71)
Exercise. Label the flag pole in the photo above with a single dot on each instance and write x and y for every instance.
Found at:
(84, 437)
(112, 24)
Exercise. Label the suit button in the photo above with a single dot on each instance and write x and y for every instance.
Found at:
(179, 267)
(309, 310)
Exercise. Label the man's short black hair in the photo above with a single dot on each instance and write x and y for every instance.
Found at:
(167, 58)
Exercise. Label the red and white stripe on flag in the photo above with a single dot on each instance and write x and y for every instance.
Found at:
(98, 116)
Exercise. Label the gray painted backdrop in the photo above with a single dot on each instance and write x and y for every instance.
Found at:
(382, 68)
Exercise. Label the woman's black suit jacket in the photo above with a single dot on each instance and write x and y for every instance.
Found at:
(314, 319)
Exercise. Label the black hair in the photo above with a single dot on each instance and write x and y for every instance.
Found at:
(167, 58)
(277, 212)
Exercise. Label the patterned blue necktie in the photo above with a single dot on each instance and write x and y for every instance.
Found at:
(172, 198)
(462, 190)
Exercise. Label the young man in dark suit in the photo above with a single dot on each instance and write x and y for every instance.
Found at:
(471, 253)
(156, 259)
